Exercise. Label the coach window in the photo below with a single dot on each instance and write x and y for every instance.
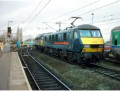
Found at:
(45, 38)
(52, 37)
(59, 38)
(68, 35)
(116, 40)
(56, 37)
(71, 35)
(75, 36)
(64, 36)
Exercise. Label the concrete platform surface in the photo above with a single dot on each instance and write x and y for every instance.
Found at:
(12, 76)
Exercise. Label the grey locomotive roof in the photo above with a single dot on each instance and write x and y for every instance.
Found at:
(116, 28)
(86, 26)
(83, 26)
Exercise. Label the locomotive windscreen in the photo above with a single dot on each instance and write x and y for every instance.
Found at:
(90, 33)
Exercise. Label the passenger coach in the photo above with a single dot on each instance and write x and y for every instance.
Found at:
(115, 42)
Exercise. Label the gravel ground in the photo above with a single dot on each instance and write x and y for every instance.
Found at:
(78, 78)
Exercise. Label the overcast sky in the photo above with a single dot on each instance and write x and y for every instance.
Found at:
(41, 16)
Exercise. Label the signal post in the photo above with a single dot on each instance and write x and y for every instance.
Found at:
(7, 40)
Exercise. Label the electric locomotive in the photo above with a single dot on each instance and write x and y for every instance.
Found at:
(115, 42)
(83, 44)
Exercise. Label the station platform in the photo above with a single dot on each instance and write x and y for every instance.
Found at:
(12, 75)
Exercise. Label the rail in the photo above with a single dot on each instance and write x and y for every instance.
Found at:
(42, 77)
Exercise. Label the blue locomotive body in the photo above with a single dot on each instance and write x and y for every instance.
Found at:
(83, 44)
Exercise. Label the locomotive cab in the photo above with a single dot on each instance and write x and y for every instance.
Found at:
(91, 43)
(92, 40)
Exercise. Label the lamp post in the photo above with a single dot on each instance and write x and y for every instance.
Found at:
(9, 22)
(59, 23)
(92, 17)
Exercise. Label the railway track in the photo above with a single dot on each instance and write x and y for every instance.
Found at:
(112, 60)
(96, 68)
(106, 71)
(42, 77)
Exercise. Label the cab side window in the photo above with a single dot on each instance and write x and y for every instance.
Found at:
(75, 35)
(64, 36)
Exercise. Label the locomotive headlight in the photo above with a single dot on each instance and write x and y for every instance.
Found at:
(86, 46)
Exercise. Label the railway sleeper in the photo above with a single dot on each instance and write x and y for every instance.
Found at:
(43, 80)
(48, 85)
(118, 77)
(39, 72)
(115, 75)
(47, 82)
(54, 88)
(108, 73)
(40, 75)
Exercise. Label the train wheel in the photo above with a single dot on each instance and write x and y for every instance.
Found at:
(106, 55)
(70, 56)
(61, 55)
(76, 58)
(69, 59)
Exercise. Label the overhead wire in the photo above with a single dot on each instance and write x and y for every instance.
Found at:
(87, 11)
(111, 15)
(38, 13)
(35, 9)
(95, 9)
(100, 7)
(76, 10)
(106, 21)
(71, 12)
(49, 26)
(108, 15)
(29, 14)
